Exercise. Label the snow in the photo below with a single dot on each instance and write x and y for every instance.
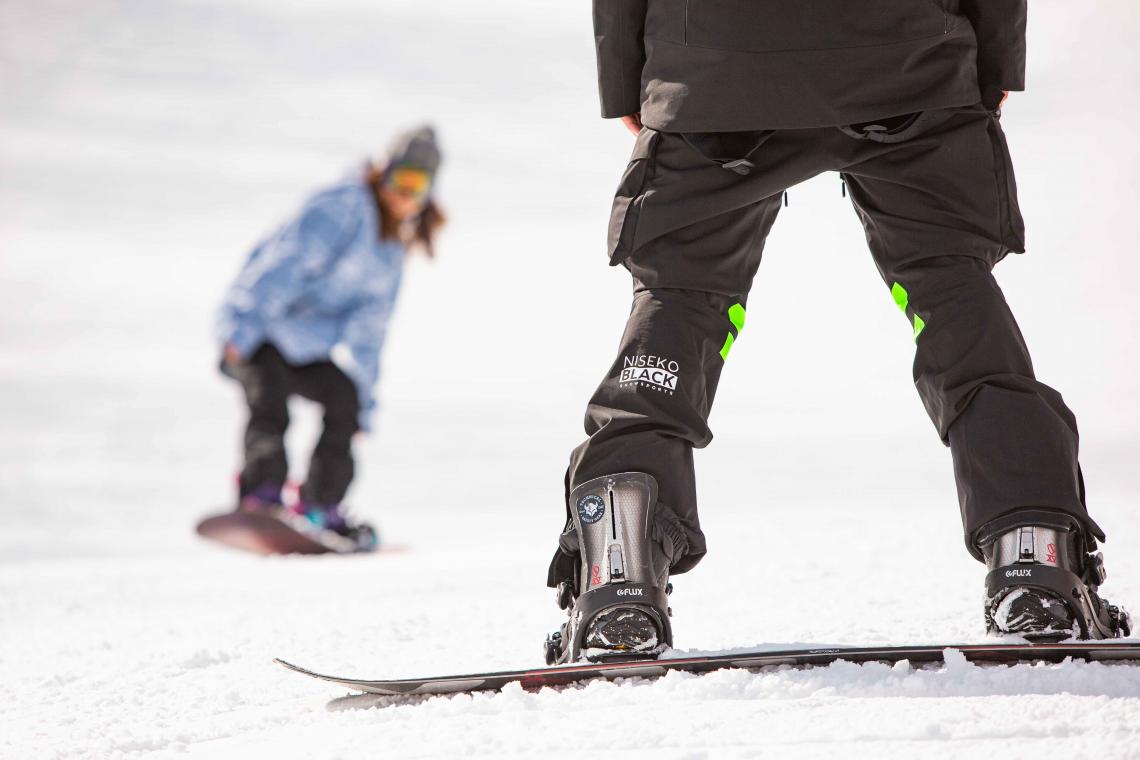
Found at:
(144, 146)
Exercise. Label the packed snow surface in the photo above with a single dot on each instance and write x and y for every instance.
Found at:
(145, 146)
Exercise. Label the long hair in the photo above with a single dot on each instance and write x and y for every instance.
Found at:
(420, 234)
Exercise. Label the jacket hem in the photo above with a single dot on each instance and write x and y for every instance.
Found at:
(694, 89)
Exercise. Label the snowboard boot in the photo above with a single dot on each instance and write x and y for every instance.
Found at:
(329, 525)
(1043, 585)
(617, 601)
(265, 498)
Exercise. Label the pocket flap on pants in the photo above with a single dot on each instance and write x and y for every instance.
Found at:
(630, 195)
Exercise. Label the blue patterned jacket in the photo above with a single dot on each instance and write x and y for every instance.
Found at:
(320, 288)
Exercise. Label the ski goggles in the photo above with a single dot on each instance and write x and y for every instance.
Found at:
(410, 183)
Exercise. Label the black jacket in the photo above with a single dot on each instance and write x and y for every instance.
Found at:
(724, 65)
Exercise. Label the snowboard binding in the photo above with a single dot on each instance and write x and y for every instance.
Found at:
(1043, 584)
(617, 596)
(331, 526)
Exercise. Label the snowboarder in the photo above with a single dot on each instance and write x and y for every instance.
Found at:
(308, 315)
(732, 103)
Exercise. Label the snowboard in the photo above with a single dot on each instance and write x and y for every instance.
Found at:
(562, 675)
(269, 533)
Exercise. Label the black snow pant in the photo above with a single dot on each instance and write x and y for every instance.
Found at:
(268, 380)
(935, 192)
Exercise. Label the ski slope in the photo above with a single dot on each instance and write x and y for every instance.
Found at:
(145, 146)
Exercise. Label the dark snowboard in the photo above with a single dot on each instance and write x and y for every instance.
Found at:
(266, 533)
(997, 654)
(259, 533)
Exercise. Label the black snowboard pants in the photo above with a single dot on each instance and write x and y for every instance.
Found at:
(935, 192)
(268, 381)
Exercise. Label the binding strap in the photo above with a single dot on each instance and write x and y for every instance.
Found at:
(651, 599)
(1065, 585)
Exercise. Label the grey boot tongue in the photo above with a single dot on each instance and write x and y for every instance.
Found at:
(613, 516)
(1031, 544)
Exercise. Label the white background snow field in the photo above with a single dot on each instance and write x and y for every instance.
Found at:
(145, 145)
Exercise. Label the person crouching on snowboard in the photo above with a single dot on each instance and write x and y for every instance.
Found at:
(732, 103)
(308, 314)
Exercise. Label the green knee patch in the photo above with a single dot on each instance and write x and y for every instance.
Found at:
(902, 300)
(736, 317)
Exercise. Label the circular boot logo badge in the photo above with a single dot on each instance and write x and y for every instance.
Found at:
(591, 508)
